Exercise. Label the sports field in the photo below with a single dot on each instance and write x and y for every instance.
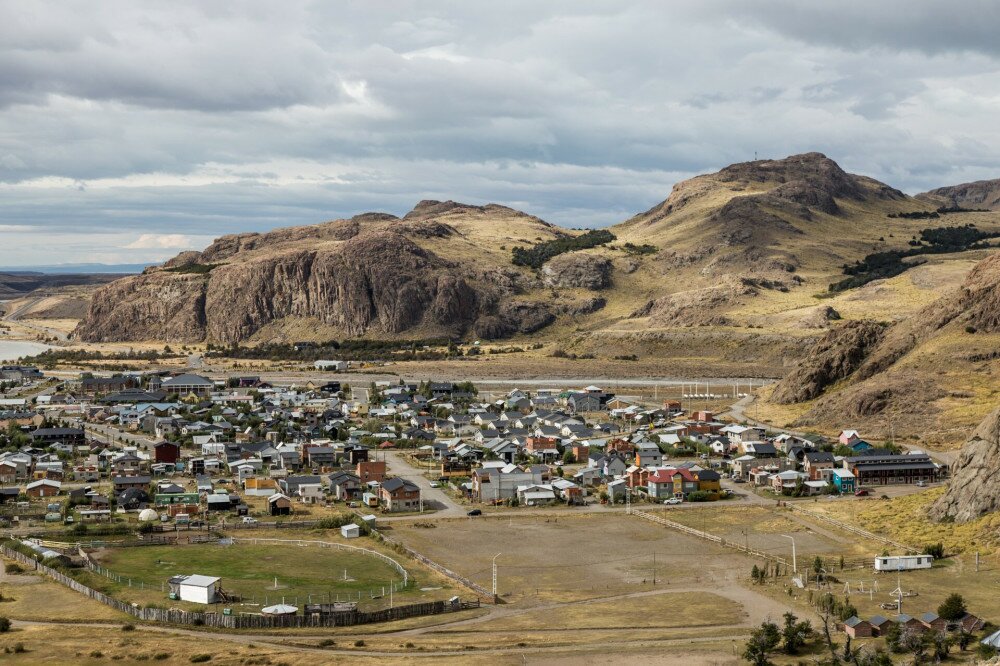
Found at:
(260, 574)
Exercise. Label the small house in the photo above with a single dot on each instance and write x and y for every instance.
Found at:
(855, 627)
(196, 588)
(933, 621)
(350, 531)
(279, 505)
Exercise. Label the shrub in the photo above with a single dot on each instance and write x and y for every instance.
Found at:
(128, 627)
(161, 656)
(359, 643)
(537, 255)
(14, 568)
(96, 654)
(4, 625)
(327, 642)
(935, 550)
(200, 658)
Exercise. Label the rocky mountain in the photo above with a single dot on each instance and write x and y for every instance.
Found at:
(974, 488)
(982, 194)
(745, 248)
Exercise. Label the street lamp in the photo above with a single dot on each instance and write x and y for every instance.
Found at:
(495, 575)
(795, 567)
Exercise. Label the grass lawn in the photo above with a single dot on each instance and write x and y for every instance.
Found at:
(250, 570)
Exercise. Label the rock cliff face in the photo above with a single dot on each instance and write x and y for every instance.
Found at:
(583, 271)
(974, 488)
(834, 357)
(367, 275)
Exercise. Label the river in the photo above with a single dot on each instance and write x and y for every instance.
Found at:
(11, 350)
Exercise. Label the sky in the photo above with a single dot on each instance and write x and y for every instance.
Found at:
(130, 131)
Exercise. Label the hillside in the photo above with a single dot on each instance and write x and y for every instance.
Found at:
(982, 194)
(727, 268)
(932, 376)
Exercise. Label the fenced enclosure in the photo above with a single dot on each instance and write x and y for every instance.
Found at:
(243, 621)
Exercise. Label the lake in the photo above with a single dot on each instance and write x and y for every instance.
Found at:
(11, 350)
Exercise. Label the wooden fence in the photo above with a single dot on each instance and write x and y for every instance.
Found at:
(475, 587)
(855, 530)
(244, 621)
(708, 537)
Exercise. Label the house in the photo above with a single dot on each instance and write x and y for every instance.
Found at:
(709, 481)
(259, 487)
(814, 461)
(279, 504)
(345, 485)
(166, 452)
(910, 624)
(536, 495)
(934, 622)
(848, 437)
(648, 454)
(196, 588)
(843, 480)
(398, 494)
(855, 627)
(122, 483)
(880, 624)
(903, 562)
(43, 488)
(370, 470)
(350, 531)
(787, 480)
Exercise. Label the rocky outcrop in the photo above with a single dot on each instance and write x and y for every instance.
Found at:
(377, 282)
(576, 270)
(974, 488)
(982, 194)
(819, 317)
(834, 357)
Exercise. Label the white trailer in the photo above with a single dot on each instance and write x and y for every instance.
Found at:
(903, 562)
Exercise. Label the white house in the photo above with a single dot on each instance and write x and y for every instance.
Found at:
(335, 366)
(903, 562)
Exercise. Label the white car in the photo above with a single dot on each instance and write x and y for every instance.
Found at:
(673, 500)
(435, 484)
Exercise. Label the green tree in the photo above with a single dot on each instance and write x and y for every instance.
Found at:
(568, 457)
(763, 641)
(953, 608)
(794, 634)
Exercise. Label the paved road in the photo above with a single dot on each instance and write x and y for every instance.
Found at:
(107, 434)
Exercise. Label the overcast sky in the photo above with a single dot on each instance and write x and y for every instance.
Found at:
(131, 130)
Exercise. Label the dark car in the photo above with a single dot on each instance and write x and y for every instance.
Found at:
(861, 492)
(475, 512)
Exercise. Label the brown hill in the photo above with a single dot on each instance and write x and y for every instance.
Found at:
(746, 248)
(982, 194)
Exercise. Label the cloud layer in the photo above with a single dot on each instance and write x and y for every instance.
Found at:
(130, 129)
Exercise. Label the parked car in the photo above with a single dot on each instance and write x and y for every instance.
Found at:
(435, 484)
(861, 492)
(739, 480)
(673, 500)
(921, 484)
(475, 512)
(249, 520)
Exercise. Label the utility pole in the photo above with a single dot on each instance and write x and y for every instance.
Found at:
(654, 567)
(495, 575)
(795, 566)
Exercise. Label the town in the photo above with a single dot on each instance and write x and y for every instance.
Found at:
(120, 485)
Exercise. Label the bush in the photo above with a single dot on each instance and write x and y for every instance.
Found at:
(96, 654)
(327, 642)
(128, 627)
(14, 568)
(200, 658)
(161, 656)
(4, 625)
(359, 643)
(935, 550)
(537, 255)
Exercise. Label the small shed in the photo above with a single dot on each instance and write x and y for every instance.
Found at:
(855, 627)
(369, 520)
(880, 624)
(195, 588)
(903, 562)
(351, 531)
(934, 621)
(279, 504)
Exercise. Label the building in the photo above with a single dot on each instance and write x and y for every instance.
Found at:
(398, 494)
(843, 480)
(350, 531)
(188, 384)
(855, 627)
(196, 588)
(876, 469)
(166, 452)
(371, 470)
(279, 505)
(43, 488)
(903, 562)
(332, 366)
(45, 437)
(816, 461)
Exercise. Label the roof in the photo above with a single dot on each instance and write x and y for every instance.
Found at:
(197, 580)
(187, 380)
(853, 621)
(929, 617)
(878, 620)
(396, 483)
